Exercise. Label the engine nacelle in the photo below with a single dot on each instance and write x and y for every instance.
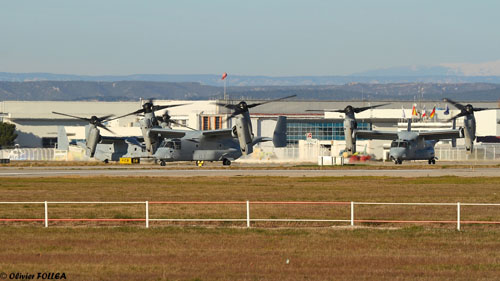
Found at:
(244, 134)
(350, 126)
(93, 137)
(469, 131)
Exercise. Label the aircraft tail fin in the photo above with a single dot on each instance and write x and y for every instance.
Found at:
(62, 139)
(279, 136)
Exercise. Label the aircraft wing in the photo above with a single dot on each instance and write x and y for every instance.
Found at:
(111, 140)
(441, 134)
(129, 140)
(218, 133)
(376, 135)
(168, 133)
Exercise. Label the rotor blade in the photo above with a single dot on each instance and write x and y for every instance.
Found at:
(458, 116)
(456, 104)
(105, 117)
(481, 109)
(104, 127)
(182, 125)
(128, 114)
(261, 103)
(361, 109)
(229, 106)
(233, 115)
(160, 107)
(81, 118)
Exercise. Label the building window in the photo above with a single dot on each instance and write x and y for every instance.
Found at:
(206, 123)
(211, 122)
(218, 122)
(49, 142)
(321, 130)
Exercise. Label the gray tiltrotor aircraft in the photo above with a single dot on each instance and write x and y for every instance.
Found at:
(350, 124)
(223, 145)
(107, 148)
(411, 145)
(406, 145)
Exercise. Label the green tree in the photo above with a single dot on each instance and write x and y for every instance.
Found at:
(7, 134)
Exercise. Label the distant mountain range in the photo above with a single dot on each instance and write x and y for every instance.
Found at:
(134, 90)
(488, 72)
(390, 75)
(468, 72)
(465, 82)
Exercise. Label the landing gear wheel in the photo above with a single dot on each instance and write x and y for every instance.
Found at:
(433, 161)
(398, 161)
(226, 162)
(162, 163)
(106, 161)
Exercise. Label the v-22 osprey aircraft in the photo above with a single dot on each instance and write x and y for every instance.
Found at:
(224, 145)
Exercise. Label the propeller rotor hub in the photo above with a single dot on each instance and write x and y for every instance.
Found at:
(469, 109)
(94, 120)
(243, 106)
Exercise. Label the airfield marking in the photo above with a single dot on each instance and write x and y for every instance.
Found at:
(461, 172)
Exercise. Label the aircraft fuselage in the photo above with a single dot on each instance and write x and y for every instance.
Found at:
(409, 146)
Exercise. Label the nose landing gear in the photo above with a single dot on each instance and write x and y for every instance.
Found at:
(432, 161)
(397, 161)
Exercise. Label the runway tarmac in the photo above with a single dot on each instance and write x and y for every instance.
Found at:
(162, 172)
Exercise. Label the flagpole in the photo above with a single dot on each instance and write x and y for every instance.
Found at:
(225, 96)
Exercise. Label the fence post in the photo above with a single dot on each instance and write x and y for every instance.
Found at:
(248, 213)
(352, 213)
(147, 214)
(458, 216)
(46, 215)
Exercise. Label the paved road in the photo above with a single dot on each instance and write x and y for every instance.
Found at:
(86, 171)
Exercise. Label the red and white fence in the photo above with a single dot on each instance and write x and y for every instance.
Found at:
(248, 219)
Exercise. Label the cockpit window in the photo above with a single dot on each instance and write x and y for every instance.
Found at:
(174, 144)
(403, 144)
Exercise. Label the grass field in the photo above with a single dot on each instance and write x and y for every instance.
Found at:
(128, 251)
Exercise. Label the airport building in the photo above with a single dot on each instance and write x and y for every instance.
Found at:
(36, 125)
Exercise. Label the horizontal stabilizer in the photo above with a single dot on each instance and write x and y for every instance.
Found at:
(260, 139)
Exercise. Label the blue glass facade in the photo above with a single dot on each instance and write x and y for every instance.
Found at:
(320, 129)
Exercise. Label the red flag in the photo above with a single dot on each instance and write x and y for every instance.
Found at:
(224, 75)
(433, 113)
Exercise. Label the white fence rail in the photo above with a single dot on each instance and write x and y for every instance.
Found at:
(482, 152)
(146, 219)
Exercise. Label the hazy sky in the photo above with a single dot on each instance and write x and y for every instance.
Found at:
(255, 37)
